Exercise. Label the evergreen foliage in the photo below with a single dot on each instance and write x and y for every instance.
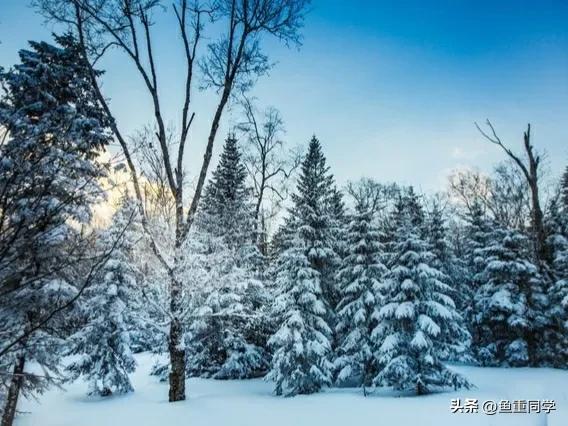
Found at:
(306, 289)
(417, 324)
(359, 278)
(510, 303)
(113, 309)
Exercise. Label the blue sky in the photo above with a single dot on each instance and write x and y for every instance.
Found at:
(391, 88)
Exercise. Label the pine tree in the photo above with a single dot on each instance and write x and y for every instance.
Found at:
(229, 339)
(556, 352)
(359, 277)
(112, 308)
(564, 191)
(226, 209)
(477, 236)
(418, 320)
(313, 217)
(48, 178)
(338, 232)
(413, 206)
(304, 282)
(446, 262)
(281, 240)
(509, 303)
(559, 305)
(408, 204)
(302, 344)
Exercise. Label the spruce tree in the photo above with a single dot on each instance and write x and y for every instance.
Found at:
(418, 321)
(302, 344)
(338, 233)
(48, 179)
(318, 215)
(229, 339)
(559, 305)
(281, 240)
(315, 219)
(564, 191)
(478, 230)
(113, 309)
(226, 207)
(509, 303)
(446, 262)
(412, 204)
(359, 277)
(556, 352)
(406, 204)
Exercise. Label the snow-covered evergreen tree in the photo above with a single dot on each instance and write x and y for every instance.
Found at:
(406, 203)
(477, 236)
(48, 178)
(338, 232)
(557, 335)
(509, 303)
(418, 320)
(305, 285)
(559, 306)
(412, 205)
(446, 262)
(113, 311)
(316, 214)
(564, 191)
(227, 339)
(227, 210)
(302, 344)
(359, 277)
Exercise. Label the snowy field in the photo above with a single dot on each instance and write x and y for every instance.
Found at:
(251, 403)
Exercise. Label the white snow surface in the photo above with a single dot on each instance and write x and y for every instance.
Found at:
(251, 403)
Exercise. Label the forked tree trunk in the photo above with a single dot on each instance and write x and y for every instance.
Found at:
(530, 171)
(13, 393)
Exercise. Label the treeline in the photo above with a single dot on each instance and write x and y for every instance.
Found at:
(382, 293)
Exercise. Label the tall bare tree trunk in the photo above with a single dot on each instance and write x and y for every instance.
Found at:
(13, 392)
(530, 171)
(537, 217)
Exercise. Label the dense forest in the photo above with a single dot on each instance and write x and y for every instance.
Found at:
(268, 267)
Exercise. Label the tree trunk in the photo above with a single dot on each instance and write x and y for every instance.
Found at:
(539, 234)
(177, 360)
(13, 393)
(420, 388)
(530, 171)
(262, 240)
(175, 344)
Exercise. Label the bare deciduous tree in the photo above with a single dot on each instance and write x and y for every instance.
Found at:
(229, 64)
(503, 194)
(374, 195)
(268, 164)
(530, 170)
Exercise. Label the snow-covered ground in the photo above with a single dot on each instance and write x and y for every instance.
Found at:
(251, 403)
